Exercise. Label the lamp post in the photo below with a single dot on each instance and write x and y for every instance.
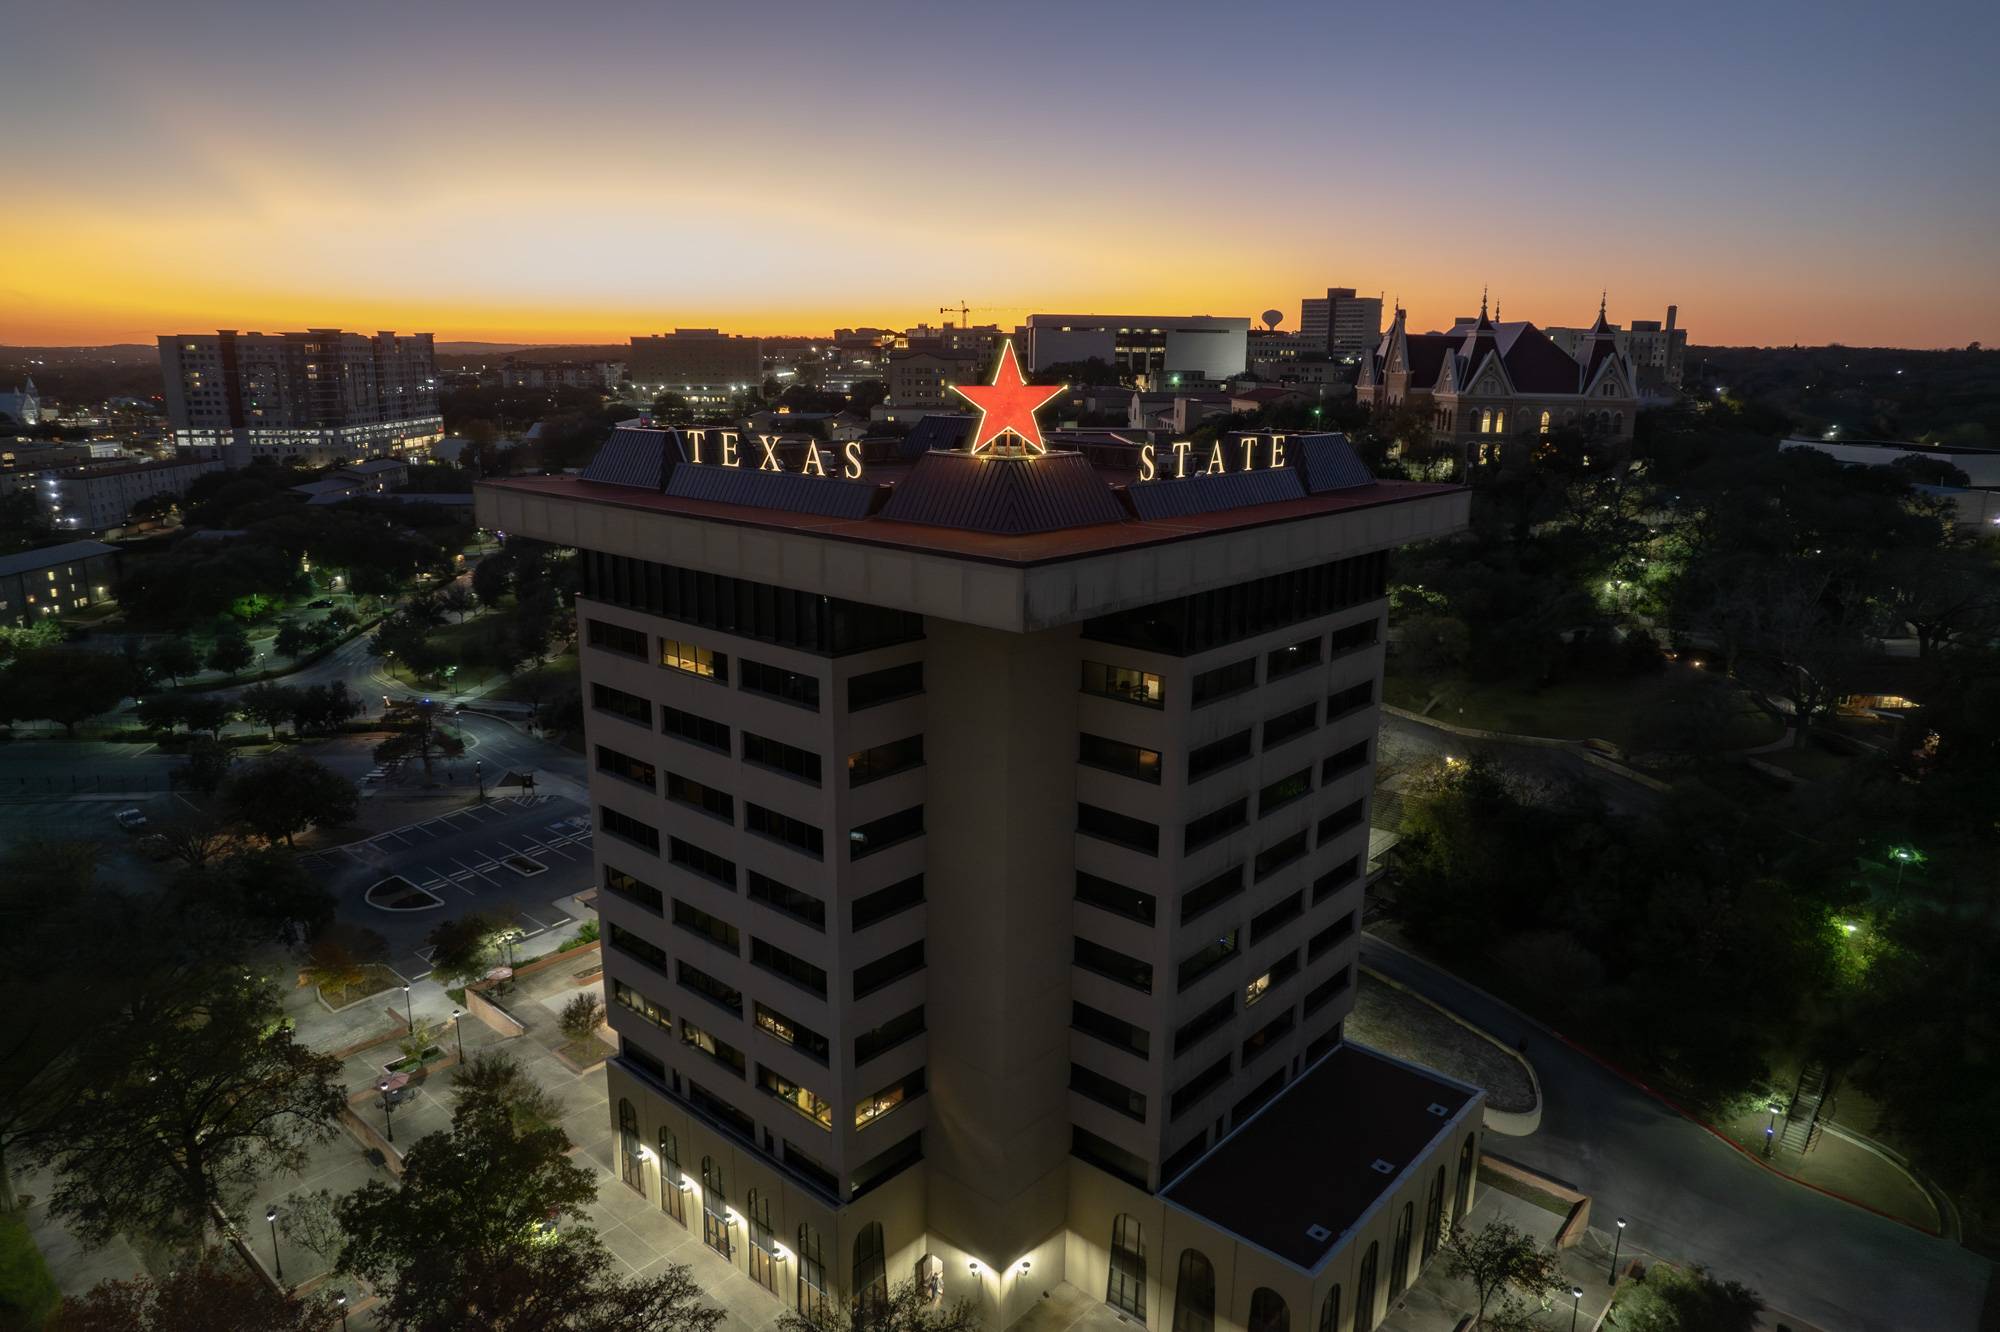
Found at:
(340, 1303)
(1904, 855)
(459, 1032)
(479, 771)
(388, 1113)
(1617, 1244)
(409, 1013)
(277, 1261)
(1771, 1129)
(1576, 1304)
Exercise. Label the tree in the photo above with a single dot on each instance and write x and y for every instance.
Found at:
(266, 889)
(161, 712)
(64, 684)
(423, 737)
(458, 599)
(496, 1080)
(908, 1308)
(463, 949)
(321, 709)
(179, 1111)
(288, 793)
(207, 714)
(1498, 1258)
(215, 1293)
(269, 704)
(173, 657)
(294, 640)
(208, 762)
(581, 1017)
(195, 838)
(1669, 1299)
(231, 653)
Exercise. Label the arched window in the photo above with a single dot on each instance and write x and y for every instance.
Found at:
(714, 1207)
(631, 1166)
(1364, 1288)
(1465, 1168)
(1268, 1312)
(1500, 421)
(673, 1185)
(812, 1273)
(1399, 1256)
(1486, 421)
(1194, 1294)
(871, 1268)
(1329, 1311)
(1617, 423)
(1434, 1216)
(1545, 423)
(763, 1261)
(1126, 1286)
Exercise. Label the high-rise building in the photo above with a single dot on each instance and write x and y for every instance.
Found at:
(1152, 348)
(1341, 321)
(696, 358)
(318, 397)
(982, 859)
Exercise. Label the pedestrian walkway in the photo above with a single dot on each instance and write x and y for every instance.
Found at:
(1845, 1165)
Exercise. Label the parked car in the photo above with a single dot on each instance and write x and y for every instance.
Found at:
(155, 847)
(324, 603)
(131, 820)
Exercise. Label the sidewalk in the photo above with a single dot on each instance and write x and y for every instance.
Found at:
(1843, 1165)
(1436, 1302)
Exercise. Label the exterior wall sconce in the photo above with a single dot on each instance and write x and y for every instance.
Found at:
(972, 1266)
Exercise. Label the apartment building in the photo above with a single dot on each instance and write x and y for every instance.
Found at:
(1340, 321)
(982, 841)
(55, 579)
(99, 497)
(1151, 348)
(690, 358)
(314, 398)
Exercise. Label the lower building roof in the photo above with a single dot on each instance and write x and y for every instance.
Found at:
(47, 557)
(1310, 1166)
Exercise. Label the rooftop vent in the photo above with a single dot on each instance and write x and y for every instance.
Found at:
(1382, 1167)
(1319, 1234)
(1440, 1111)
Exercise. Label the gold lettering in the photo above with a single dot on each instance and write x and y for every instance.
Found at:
(1277, 451)
(1147, 469)
(813, 466)
(1180, 448)
(769, 443)
(1215, 458)
(729, 458)
(695, 438)
(1249, 451)
(852, 452)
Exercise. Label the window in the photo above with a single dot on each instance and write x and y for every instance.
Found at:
(631, 1166)
(795, 1034)
(679, 655)
(714, 1207)
(687, 791)
(779, 757)
(1268, 1035)
(1329, 1311)
(883, 686)
(1280, 971)
(871, 908)
(1208, 957)
(1335, 879)
(763, 1242)
(871, 1272)
(720, 993)
(1107, 1092)
(721, 1052)
(616, 638)
(1338, 822)
(1109, 1157)
(879, 761)
(799, 906)
(641, 950)
(876, 1040)
(1284, 791)
(1286, 725)
(801, 1099)
(621, 704)
(1127, 684)
(709, 929)
(1115, 898)
(1109, 1029)
(888, 969)
(1194, 1294)
(813, 1296)
(630, 829)
(1206, 897)
(1545, 423)
(1329, 937)
(794, 969)
(1218, 754)
(705, 863)
(879, 834)
(1364, 1287)
(1291, 658)
(1268, 1312)
(1224, 681)
(1198, 623)
(1274, 858)
(627, 997)
(618, 882)
(1216, 823)
(1433, 1217)
(673, 1185)
(642, 1063)
(872, 1107)
(776, 682)
(1319, 995)
(1109, 962)
(1120, 829)
(693, 729)
(1275, 917)
(1201, 1024)
(1350, 700)
(799, 835)
(1259, 1094)
(624, 766)
(1351, 759)
(1354, 637)
(1126, 1287)
(1132, 761)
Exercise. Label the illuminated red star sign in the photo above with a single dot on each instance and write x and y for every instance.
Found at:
(1007, 406)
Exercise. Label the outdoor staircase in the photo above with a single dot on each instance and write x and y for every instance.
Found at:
(1801, 1131)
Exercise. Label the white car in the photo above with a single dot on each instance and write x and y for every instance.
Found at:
(131, 820)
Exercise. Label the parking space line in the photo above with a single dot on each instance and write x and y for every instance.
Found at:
(462, 865)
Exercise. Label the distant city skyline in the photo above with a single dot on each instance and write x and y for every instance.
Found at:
(516, 173)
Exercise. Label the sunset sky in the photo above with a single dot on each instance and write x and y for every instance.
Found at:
(535, 172)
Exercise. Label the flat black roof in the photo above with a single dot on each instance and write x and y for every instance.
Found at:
(1302, 1171)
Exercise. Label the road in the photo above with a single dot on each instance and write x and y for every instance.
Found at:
(1692, 1198)
(1404, 742)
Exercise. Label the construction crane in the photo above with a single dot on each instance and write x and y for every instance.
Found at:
(962, 310)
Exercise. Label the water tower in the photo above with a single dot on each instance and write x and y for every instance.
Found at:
(1272, 318)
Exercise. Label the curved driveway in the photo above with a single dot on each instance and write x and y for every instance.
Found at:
(1693, 1198)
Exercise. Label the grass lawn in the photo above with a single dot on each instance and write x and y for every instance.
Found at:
(1809, 761)
(540, 684)
(28, 1294)
(1614, 710)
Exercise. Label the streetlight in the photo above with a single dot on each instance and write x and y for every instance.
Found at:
(388, 1116)
(459, 1032)
(278, 1262)
(1904, 855)
(479, 771)
(1615, 1246)
(340, 1303)
(1576, 1303)
(1771, 1129)
(409, 1013)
